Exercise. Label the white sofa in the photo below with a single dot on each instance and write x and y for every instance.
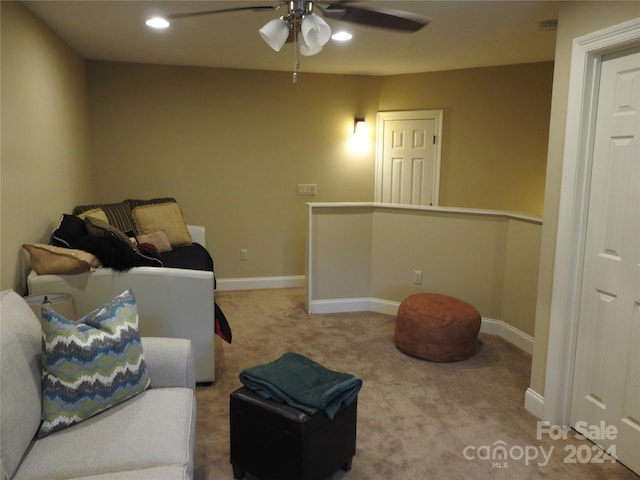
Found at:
(172, 302)
(150, 436)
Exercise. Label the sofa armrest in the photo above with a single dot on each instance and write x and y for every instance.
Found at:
(169, 361)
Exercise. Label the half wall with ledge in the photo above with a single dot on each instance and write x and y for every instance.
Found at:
(369, 256)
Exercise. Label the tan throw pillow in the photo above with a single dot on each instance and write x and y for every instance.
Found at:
(158, 239)
(162, 216)
(95, 213)
(46, 259)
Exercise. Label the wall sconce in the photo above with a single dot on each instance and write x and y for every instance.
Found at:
(359, 142)
(359, 127)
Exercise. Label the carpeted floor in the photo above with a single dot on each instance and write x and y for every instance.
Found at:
(416, 419)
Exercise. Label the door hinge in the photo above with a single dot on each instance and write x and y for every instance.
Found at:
(434, 139)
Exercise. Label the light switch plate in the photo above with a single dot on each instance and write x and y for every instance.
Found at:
(307, 189)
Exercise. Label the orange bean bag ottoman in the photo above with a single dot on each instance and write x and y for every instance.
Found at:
(437, 327)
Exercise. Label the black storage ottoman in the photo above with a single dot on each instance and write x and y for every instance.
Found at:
(275, 441)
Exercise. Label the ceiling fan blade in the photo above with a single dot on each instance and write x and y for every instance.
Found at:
(377, 17)
(255, 8)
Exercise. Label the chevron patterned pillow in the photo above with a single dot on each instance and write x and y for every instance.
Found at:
(91, 364)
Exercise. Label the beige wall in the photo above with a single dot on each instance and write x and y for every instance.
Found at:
(496, 126)
(575, 19)
(339, 254)
(459, 255)
(231, 145)
(45, 166)
(521, 262)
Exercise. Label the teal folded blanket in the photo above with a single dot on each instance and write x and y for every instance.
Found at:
(302, 383)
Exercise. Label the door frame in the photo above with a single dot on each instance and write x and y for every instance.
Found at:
(586, 60)
(408, 115)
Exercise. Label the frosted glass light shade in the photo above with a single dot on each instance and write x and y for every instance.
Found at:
(275, 33)
(308, 51)
(315, 31)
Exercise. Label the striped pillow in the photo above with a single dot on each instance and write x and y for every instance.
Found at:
(118, 214)
(90, 365)
(135, 202)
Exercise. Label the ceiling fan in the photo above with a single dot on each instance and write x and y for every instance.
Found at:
(301, 25)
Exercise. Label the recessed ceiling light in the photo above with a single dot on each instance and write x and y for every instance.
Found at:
(157, 22)
(342, 36)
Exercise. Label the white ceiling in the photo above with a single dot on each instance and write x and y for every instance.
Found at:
(462, 34)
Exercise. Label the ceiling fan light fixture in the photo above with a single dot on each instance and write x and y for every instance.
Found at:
(309, 32)
(275, 33)
(315, 31)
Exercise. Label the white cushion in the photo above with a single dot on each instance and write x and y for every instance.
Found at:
(154, 428)
(20, 347)
(166, 472)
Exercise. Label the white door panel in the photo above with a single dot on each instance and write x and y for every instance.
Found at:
(607, 375)
(408, 157)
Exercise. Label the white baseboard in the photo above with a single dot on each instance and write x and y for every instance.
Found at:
(338, 305)
(384, 306)
(365, 304)
(534, 403)
(511, 334)
(258, 283)
(489, 325)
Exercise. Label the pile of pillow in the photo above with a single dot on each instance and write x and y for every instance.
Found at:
(118, 235)
(158, 218)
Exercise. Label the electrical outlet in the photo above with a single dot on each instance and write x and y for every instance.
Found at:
(417, 277)
(244, 254)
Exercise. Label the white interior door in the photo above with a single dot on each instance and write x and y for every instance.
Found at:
(408, 157)
(606, 388)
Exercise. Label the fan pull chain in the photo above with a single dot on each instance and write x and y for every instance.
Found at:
(296, 62)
